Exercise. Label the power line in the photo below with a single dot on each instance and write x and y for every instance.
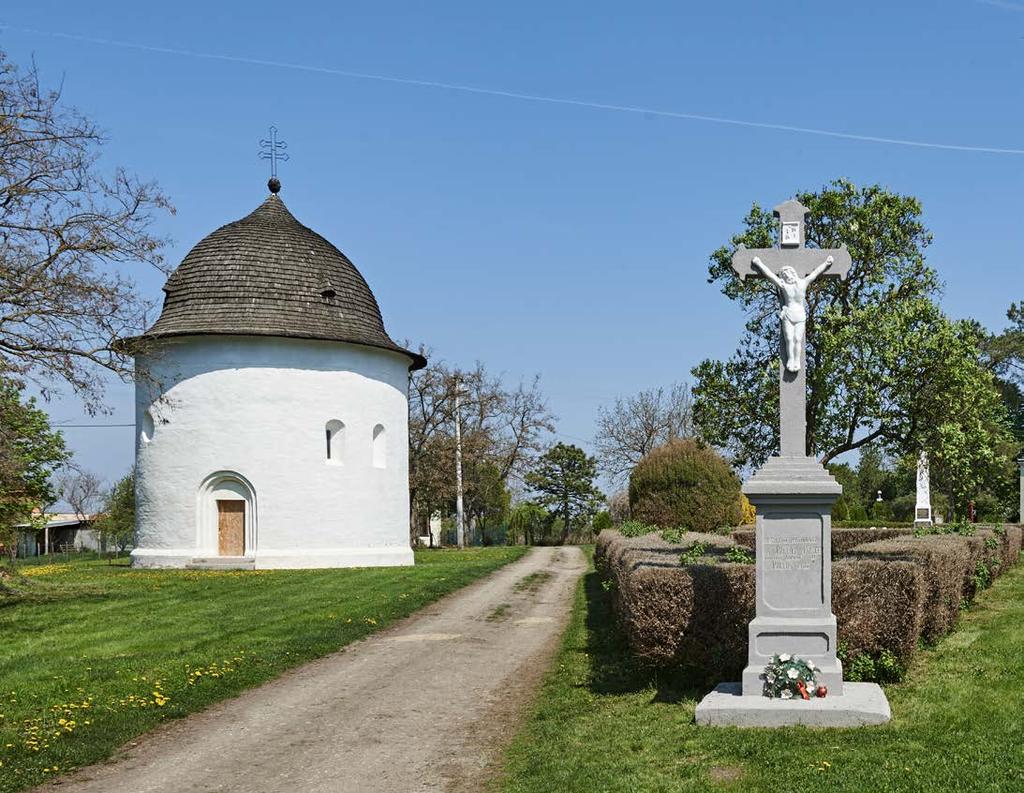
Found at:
(89, 426)
(517, 94)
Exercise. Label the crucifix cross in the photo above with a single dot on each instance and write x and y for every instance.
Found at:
(792, 268)
(274, 150)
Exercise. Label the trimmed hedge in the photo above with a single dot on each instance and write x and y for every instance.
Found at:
(886, 594)
(871, 524)
(662, 605)
(945, 562)
(696, 616)
(843, 539)
(879, 606)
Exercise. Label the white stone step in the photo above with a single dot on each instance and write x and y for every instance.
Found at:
(222, 563)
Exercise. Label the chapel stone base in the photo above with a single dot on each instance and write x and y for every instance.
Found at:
(273, 559)
(861, 704)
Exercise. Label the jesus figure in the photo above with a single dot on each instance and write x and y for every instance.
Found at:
(792, 294)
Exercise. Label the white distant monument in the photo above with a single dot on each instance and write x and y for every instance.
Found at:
(271, 408)
(1020, 511)
(794, 495)
(923, 505)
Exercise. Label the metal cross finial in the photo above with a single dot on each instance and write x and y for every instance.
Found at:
(274, 150)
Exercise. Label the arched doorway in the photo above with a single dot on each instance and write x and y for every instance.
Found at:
(226, 516)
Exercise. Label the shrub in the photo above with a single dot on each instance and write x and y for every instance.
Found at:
(737, 554)
(602, 521)
(636, 528)
(618, 506)
(695, 616)
(885, 668)
(1012, 538)
(843, 539)
(685, 483)
(879, 605)
(944, 564)
(748, 512)
(694, 553)
(887, 595)
(870, 524)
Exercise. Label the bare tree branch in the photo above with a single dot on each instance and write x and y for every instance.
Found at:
(66, 235)
(633, 426)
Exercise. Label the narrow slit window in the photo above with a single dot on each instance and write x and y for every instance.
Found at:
(379, 447)
(335, 437)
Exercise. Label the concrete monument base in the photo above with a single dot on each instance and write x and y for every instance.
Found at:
(860, 704)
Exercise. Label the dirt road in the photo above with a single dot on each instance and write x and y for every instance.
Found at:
(426, 705)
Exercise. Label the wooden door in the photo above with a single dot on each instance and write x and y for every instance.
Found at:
(231, 527)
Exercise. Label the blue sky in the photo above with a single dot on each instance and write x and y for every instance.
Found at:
(540, 236)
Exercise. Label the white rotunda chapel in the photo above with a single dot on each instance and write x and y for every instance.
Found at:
(271, 408)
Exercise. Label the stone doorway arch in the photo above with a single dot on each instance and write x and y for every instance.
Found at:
(230, 488)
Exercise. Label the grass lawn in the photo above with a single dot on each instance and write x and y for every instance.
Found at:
(602, 724)
(93, 654)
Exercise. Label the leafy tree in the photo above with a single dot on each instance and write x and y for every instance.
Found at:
(885, 367)
(503, 429)
(117, 523)
(847, 502)
(1006, 350)
(487, 500)
(66, 230)
(527, 523)
(29, 454)
(1005, 354)
(564, 479)
(633, 426)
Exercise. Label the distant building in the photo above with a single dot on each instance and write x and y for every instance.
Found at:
(60, 533)
(271, 408)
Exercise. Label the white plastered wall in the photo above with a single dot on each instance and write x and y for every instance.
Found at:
(246, 417)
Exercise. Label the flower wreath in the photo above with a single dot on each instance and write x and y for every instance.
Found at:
(786, 677)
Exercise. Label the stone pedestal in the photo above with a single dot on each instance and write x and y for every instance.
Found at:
(861, 704)
(794, 498)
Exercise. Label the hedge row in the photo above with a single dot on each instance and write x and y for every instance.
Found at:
(843, 539)
(662, 605)
(887, 594)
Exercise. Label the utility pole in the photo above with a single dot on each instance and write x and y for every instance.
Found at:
(460, 521)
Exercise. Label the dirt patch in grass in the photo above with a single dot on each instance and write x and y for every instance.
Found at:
(723, 774)
(533, 581)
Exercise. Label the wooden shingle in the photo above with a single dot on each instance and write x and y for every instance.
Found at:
(269, 275)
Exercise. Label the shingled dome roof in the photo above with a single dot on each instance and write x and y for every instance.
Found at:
(268, 275)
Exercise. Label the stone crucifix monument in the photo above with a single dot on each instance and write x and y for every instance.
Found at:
(793, 494)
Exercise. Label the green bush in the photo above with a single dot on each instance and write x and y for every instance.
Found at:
(685, 484)
(636, 528)
(737, 554)
(693, 554)
(866, 668)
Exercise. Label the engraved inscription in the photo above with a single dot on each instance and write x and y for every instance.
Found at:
(791, 564)
(792, 553)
